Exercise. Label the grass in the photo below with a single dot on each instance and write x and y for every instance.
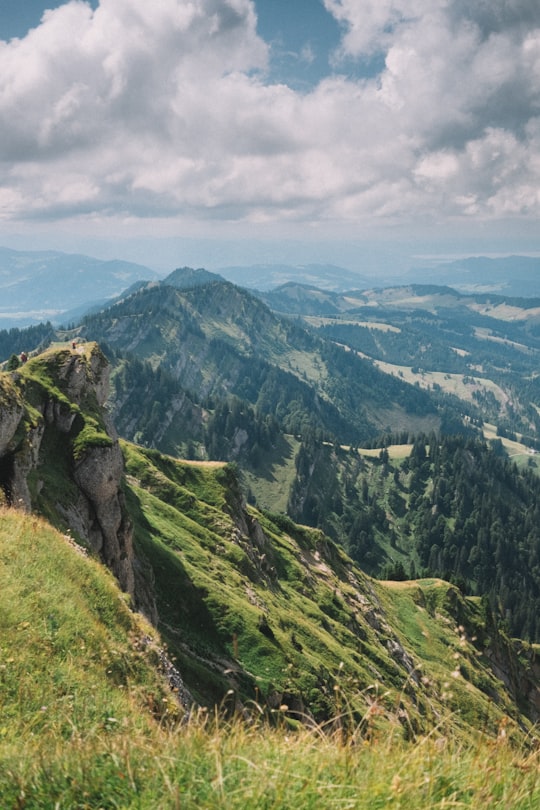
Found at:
(86, 720)
(44, 379)
(395, 451)
(520, 453)
(9, 395)
(449, 383)
(319, 320)
(272, 490)
(65, 630)
(211, 764)
(268, 621)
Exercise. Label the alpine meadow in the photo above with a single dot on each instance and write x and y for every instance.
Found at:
(305, 571)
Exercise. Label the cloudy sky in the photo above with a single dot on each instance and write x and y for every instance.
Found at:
(270, 130)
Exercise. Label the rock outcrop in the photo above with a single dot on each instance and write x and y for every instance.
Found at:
(11, 413)
(52, 420)
(104, 518)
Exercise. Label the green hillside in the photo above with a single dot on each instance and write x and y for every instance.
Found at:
(77, 668)
(453, 507)
(279, 614)
(202, 369)
(248, 602)
(205, 370)
(271, 670)
(87, 719)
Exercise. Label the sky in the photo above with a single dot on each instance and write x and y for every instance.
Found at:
(214, 132)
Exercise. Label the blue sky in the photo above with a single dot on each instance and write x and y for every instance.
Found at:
(17, 16)
(233, 131)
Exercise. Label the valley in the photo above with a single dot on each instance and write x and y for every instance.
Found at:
(301, 512)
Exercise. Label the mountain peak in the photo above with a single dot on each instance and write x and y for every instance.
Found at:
(186, 277)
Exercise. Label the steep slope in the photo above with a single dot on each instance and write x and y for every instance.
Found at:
(253, 607)
(451, 507)
(81, 675)
(87, 720)
(253, 603)
(69, 638)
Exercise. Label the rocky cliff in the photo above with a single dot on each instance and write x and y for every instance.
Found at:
(60, 455)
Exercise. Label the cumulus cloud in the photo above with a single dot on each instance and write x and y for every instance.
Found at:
(162, 109)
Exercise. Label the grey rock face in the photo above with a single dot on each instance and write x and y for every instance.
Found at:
(10, 416)
(96, 511)
(99, 474)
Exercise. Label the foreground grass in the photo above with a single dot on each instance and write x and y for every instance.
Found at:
(207, 764)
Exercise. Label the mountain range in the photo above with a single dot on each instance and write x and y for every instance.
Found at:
(37, 286)
(517, 276)
(206, 370)
(299, 508)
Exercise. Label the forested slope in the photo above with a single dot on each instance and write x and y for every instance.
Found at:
(452, 507)
(217, 341)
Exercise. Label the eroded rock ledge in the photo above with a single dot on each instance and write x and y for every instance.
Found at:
(53, 425)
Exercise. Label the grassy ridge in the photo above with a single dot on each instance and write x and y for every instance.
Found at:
(277, 613)
(86, 721)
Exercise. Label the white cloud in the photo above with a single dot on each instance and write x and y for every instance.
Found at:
(162, 110)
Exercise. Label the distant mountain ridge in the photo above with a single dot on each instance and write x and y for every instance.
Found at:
(221, 341)
(517, 276)
(38, 286)
(294, 298)
(268, 276)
